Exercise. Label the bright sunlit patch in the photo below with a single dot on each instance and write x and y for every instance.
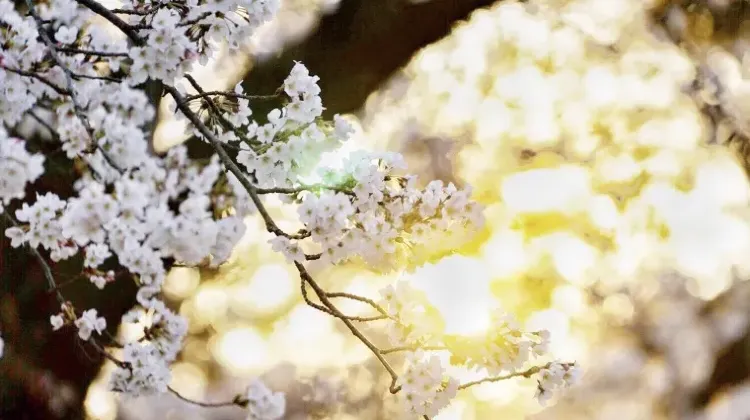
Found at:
(569, 299)
(254, 233)
(335, 160)
(307, 338)
(169, 133)
(505, 254)
(130, 331)
(458, 409)
(722, 181)
(500, 393)
(573, 257)
(548, 189)
(459, 288)
(270, 287)
(210, 303)
(188, 379)
(603, 212)
(241, 348)
(619, 307)
(181, 282)
(617, 168)
(493, 119)
(100, 404)
(552, 320)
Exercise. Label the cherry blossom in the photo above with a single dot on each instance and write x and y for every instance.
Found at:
(146, 213)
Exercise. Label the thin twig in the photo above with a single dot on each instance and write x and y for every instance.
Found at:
(130, 12)
(237, 401)
(229, 95)
(360, 299)
(36, 76)
(107, 14)
(412, 348)
(104, 78)
(68, 50)
(525, 373)
(354, 330)
(273, 228)
(69, 75)
(44, 124)
(45, 267)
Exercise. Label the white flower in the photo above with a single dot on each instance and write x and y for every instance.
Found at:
(292, 251)
(425, 389)
(299, 82)
(16, 236)
(263, 404)
(57, 321)
(66, 34)
(342, 129)
(95, 255)
(88, 323)
(147, 372)
(555, 377)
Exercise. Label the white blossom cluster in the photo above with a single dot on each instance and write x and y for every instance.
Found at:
(182, 33)
(425, 388)
(18, 166)
(146, 372)
(379, 214)
(264, 404)
(135, 219)
(554, 377)
(405, 306)
(22, 49)
(115, 113)
(164, 329)
(383, 211)
(88, 323)
(506, 347)
(289, 145)
(41, 226)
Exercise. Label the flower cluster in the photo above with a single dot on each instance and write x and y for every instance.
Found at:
(140, 213)
(405, 306)
(133, 220)
(177, 37)
(382, 216)
(146, 372)
(18, 166)
(556, 376)
(42, 227)
(506, 347)
(88, 323)
(290, 144)
(425, 389)
(163, 328)
(264, 404)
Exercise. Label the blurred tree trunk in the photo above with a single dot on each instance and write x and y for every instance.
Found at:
(357, 48)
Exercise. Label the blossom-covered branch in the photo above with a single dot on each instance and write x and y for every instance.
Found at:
(144, 214)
